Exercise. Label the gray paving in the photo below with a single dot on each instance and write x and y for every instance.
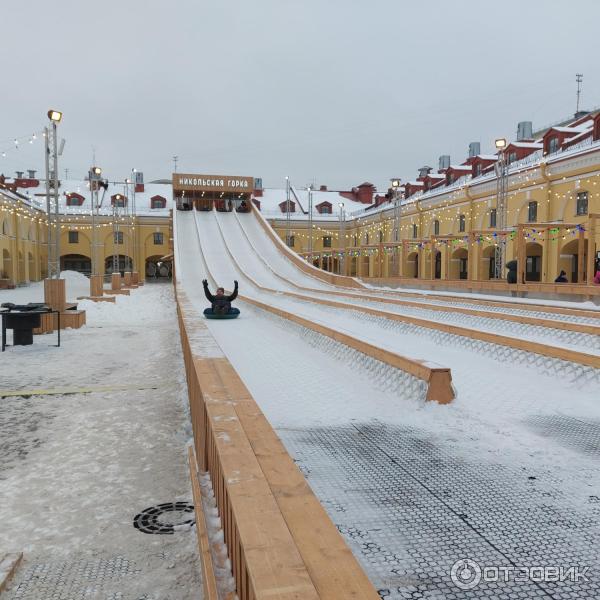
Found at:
(410, 508)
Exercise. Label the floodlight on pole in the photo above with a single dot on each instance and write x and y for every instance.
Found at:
(52, 208)
(55, 115)
(501, 143)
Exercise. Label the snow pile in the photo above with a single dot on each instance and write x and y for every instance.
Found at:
(145, 306)
(76, 284)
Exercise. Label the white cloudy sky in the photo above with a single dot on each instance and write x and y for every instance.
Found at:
(335, 91)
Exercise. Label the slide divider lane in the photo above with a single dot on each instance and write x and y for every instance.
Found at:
(525, 320)
(438, 378)
(493, 338)
(331, 278)
(232, 434)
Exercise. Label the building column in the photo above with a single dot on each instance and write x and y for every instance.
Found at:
(591, 255)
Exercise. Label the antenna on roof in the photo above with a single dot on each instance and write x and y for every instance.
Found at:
(175, 159)
(579, 80)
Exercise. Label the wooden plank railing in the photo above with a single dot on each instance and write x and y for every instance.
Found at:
(209, 582)
(281, 542)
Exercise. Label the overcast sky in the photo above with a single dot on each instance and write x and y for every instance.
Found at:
(335, 91)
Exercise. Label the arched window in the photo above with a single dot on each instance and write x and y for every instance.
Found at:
(436, 227)
(414, 231)
(461, 223)
(532, 211)
(582, 203)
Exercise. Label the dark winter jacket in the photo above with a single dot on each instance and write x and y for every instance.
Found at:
(220, 304)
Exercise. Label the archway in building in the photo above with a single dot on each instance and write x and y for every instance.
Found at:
(568, 260)
(21, 268)
(124, 264)
(7, 271)
(352, 266)
(158, 269)
(488, 259)
(412, 265)
(76, 262)
(533, 262)
(31, 266)
(438, 265)
(459, 264)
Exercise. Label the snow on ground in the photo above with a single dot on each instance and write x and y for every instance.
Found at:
(76, 468)
(76, 285)
(506, 473)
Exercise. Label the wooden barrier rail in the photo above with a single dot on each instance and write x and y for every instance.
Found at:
(438, 378)
(331, 278)
(209, 583)
(281, 542)
(590, 360)
(572, 289)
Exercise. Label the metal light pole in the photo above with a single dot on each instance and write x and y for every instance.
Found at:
(396, 237)
(52, 211)
(287, 212)
(133, 220)
(310, 223)
(94, 177)
(501, 208)
(342, 244)
(116, 231)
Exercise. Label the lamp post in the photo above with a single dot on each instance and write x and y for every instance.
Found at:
(52, 211)
(342, 244)
(310, 223)
(501, 192)
(94, 176)
(396, 201)
(287, 212)
(116, 231)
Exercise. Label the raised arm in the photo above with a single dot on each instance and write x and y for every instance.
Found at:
(208, 295)
(235, 291)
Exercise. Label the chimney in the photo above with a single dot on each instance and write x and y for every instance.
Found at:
(444, 162)
(474, 149)
(424, 171)
(323, 188)
(31, 173)
(19, 174)
(524, 131)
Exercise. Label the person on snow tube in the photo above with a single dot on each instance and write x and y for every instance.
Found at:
(221, 304)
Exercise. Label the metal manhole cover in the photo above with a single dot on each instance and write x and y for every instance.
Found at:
(149, 520)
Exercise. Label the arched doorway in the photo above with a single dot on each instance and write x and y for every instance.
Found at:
(352, 266)
(31, 267)
(21, 268)
(7, 271)
(77, 262)
(568, 261)
(123, 261)
(488, 259)
(158, 269)
(533, 262)
(459, 264)
(412, 265)
(438, 265)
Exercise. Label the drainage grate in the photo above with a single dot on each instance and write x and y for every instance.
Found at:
(409, 508)
(148, 521)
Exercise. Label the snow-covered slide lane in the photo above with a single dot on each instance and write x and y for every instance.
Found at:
(308, 394)
(255, 266)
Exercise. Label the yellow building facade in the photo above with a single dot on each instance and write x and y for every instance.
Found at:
(451, 232)
(141, 242)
